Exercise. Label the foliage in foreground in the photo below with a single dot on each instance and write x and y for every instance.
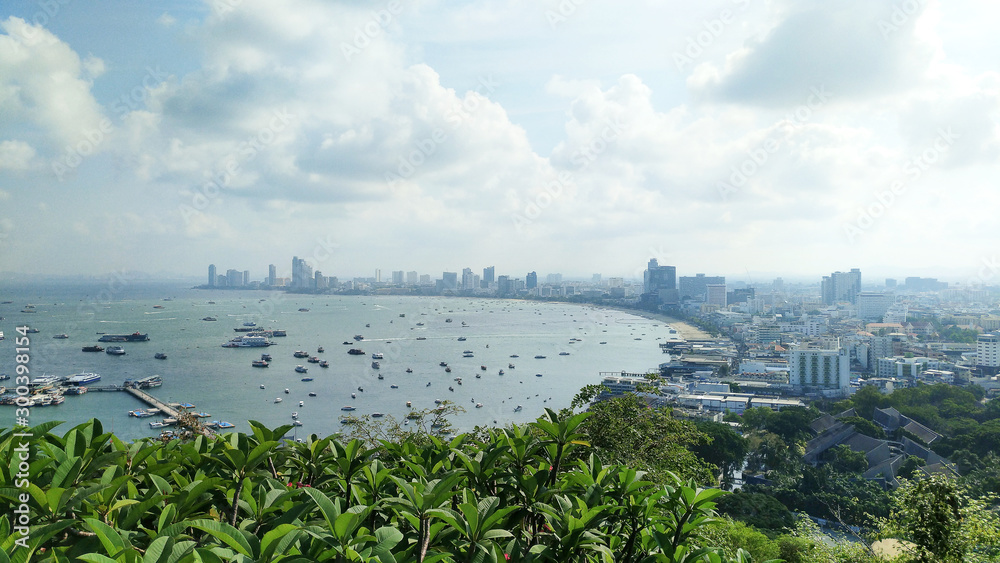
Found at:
(529, 494)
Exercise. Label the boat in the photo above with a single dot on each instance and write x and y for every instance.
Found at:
(223, 425)
(479, 405)
(313, 360)
(514, 356)
(538, 375)
(356, 352)
(480, 376)
(300, 354)
(443, 364)
(261, 385)
(358, 337)
(160, 356)
(139, 413)
(83, 378)
(354, 395)
(75, 390)
(409, 370)
(32, 331)
(437, 401)
(394, 387)
(362, 389)
(250, 323)
(510, 366)
(303, 310)
(380, 376)
(255, 341)
(259, 364)
(482, 368)
(376, 365)
(295, 414)
(409, 404)
(420, 324)
(115, 351)
(346, 421)
(93, 349)
(563, 353)
(447, 370)
(265, 357)
(307, 379)
(347, 408)
(320, 350)
(518, 408)
(277, 399)
(61, 336)
(134, 337)
(468, 355)
(539, 357)
(450, 388)
(602, 342)
(368, 325)
(286, 390)
(324, 364)
(296, 423)
(377, 355)
(461, 339)
(500, 373)
(312, 393)
(302, 403)
(157, 424)
(279, 332)
(421, 338)
(209, 319)
(447, 320)
(377, 415)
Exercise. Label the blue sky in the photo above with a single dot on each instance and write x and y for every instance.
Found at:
(573, 136)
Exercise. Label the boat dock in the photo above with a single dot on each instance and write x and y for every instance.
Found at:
(152, 401)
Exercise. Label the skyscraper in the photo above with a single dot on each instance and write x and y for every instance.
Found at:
(302, 274)
(397, 277)
(531, 280)
(489, 275)
(697, 287)
(841, 286)
(211, 275)
(660, 283)
(272, 274)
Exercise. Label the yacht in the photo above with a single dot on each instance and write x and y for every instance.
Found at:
(479, 405)
(277, 399)
(115, 351)
(301, 369)
(377, 355)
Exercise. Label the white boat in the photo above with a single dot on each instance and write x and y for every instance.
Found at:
(296, 423)
(248, 342)
(286, 390)
(302, 403)
(479, 405)
(83, 378)
(518, 408)
(301, 369)
(295, 414)
(277, 399)
(115, 350)
(377, 355)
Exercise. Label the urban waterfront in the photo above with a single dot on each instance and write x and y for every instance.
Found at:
(418, 333)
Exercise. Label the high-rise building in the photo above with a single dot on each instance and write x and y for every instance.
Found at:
(272, 275)
(530, 280)
(595, 279)
(378, 275)
(489, 275)
(820, 368)
(504, 286)
(246, 277)
(872, 305)
(553, 278)
(469, 280)
(660, 283)
(212, 276)
(397, 277)
(412, 278)
(988, 353)
(449, 280)
(715, 294)
(425, 279)
(234, 278)
(302, 274)
(841, 286)
(696, 287)
(319, 280)
(890, 283)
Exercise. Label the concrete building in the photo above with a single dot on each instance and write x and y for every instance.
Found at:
(272, 275)
(530, 280)
(212, 275)
(302, 274)
(820, 368)
(872, 306)
(660, 283)
(412, 278)
(715, 294)
(841, 286)
(397, 277)
(988, 353)
(695, 287)
(900, 367)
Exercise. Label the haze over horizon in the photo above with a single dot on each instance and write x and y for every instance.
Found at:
(771, 138)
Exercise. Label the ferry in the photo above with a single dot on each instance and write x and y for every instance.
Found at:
(377, 355)
(300, 354)
(248, 342)
(115, 351)
(83, 378)
(259, 364)
(134, 337)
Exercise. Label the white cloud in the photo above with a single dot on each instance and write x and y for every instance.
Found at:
(16, 155)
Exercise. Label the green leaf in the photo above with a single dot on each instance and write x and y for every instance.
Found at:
(110, 538)
(245, 544)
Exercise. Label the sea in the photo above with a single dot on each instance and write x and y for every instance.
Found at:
(578, 343)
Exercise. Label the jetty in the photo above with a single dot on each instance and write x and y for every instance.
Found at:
(152, 401)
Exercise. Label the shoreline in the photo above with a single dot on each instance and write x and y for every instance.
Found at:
(685, 330)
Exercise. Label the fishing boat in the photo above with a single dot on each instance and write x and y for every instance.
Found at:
(259, 364)
(324, 364)
(300, 354)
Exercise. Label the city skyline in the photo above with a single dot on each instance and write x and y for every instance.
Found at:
(740, 139)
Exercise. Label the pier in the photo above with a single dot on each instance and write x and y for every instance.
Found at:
(152, 401)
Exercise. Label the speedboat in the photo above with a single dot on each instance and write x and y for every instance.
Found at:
(312, 394)
(296, 423)
(307, 379)
(518, 408)
(302, 403)
(160, 356)
(301, 369)
(354, 395)
(377, 355)
(510, 366)
(394, 387)
(539, 357)
(295, 414)
(261, 385)
(479, 405)
(277, 399)
(409, 370)
(319, 350)
(443, 364)
(377, 415)
(286, 390)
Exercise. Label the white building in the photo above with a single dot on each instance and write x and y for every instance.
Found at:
(823, 368)
(715, 294)
(900, 367)
(988, 351)
(872, 306)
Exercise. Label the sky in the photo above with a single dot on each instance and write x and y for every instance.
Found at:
(747, 138)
